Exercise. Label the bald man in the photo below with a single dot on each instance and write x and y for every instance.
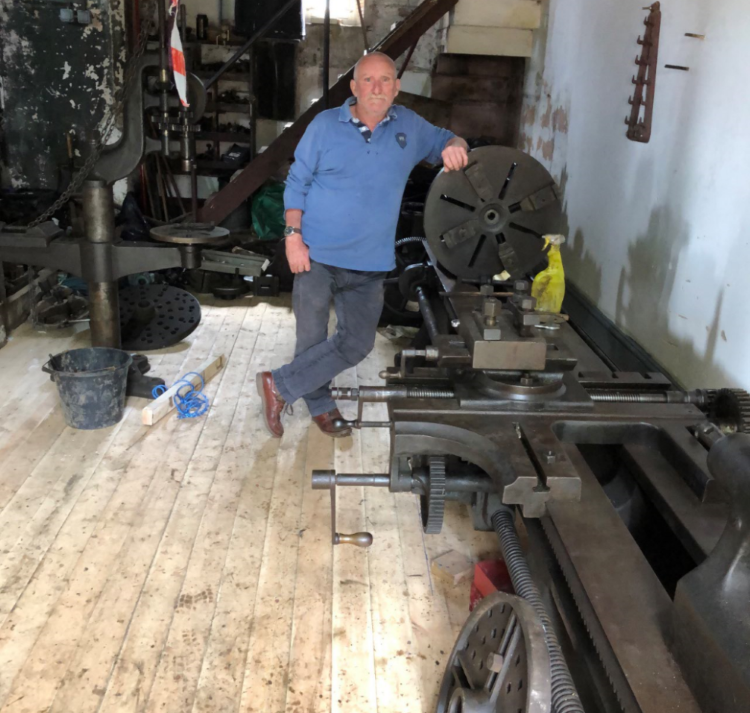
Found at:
(342, 201)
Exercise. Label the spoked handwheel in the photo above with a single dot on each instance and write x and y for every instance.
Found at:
(500, 662)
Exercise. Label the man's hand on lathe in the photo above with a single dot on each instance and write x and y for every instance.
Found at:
(455, 155)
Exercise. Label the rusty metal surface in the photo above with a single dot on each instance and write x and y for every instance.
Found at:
(627, 598)
(406, 33)
(697, 525)
(500, 661)
(639, 129)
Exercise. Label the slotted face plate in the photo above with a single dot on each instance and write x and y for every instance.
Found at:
(190, 234)
(156, 316)
(491, 216)
(500, 662)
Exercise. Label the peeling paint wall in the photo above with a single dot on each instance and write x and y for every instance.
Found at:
(56, 77)
(658, 234)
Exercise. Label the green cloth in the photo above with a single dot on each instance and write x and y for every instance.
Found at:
(268, 211)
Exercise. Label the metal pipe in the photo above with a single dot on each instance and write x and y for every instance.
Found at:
(172, 184)
(430, 322)
(194, 192)
(99, 224)
(325, 479)
(326, 52)
(183, 23)
(98, 211)
(163, 78)
(162, 20)
(390, 393)
(564, 695)
(250, 42)
(364, 28)
(104, 306)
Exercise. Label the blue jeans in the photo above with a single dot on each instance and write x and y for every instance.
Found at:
(358, 299)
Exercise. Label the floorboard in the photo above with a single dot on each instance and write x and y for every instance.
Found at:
(188, 566)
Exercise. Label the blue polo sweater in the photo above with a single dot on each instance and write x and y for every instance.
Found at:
(349, 183)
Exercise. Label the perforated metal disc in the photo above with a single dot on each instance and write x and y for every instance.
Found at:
(491, 216)
(190, 234)
(156, 316)
(500, 662)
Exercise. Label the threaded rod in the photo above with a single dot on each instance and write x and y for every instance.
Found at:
(564, 695)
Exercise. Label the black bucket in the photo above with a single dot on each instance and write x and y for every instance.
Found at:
(91, 383)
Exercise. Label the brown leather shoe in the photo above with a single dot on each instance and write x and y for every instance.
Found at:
(273, 403)
(326, 424)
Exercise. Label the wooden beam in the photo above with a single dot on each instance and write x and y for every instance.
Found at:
(160, 407)
(502, 41)
(518, 14)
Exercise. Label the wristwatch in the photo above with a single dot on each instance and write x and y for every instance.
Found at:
(289, 230)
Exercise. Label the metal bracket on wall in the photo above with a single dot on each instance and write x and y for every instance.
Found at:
(639, 129)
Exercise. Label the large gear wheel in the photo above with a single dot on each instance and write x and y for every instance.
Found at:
(500, 661)
(432, 504)
(729, 409)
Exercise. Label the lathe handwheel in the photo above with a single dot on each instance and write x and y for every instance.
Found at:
(500, 661)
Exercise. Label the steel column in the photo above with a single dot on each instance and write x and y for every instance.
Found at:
(99, 222)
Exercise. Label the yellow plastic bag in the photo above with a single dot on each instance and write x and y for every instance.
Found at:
(549, 285)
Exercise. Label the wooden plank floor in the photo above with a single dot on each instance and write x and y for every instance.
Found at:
(188, 566)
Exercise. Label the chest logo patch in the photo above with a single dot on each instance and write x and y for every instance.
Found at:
(401, 138)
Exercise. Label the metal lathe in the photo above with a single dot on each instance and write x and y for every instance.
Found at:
(633, 592)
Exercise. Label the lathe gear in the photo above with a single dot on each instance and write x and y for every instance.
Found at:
(500, 661)
(432, 504)
(729, 409)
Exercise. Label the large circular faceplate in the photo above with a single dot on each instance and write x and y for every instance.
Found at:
(490, 217)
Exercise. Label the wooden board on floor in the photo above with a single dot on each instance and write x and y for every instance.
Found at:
(162, 405)
(142, 565)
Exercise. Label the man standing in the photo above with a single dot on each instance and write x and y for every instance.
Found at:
(342, 200)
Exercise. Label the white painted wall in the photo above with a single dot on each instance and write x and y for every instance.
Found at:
(659, 232)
